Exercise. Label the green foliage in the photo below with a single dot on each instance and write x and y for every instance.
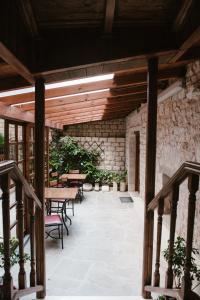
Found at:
(105, 176)
(178, 261)
(119, 177)
(66, 154)
(14, 255)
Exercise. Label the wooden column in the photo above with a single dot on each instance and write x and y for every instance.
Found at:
(40, 181)
(193, 186)
(158, 243)
(150, 171)
(7, 278)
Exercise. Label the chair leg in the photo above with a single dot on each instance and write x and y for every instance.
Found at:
(62, 236)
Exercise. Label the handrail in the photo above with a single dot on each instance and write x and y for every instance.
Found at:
(179, 176)
(16, 175)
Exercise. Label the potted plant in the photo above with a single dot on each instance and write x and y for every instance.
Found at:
(116, 181)
(178, 263)
(14, 256)
(122, 181)
(97, 180)
(106, 178)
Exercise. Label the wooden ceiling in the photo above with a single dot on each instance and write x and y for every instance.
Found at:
(64, 40)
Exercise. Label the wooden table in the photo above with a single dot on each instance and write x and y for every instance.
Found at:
(75, 177)
(61, 195)
(79, 177)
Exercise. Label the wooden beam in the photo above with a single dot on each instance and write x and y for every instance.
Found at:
(150, 172)
(136, 93)
(92, 103)
(10, 58)
(14, 113)
(109, 16)
(91, 119)
(28, 17)
(183, 15)
(88, 112)
(130, 79)
(40, 183)
(191, 41)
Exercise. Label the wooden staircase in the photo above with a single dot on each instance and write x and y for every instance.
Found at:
(9, 170)
(190, 171)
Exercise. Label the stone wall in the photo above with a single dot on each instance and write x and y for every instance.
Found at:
(178, 140)
(111, 128)
(108, 137)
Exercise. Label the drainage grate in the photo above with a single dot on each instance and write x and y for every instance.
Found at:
(126, 199)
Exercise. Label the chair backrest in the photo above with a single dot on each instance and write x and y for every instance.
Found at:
(74, 171)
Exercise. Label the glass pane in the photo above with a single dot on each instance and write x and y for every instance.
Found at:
(20, 133)
(20, 152)
(11, 133)
(12, 152)
(31, 150)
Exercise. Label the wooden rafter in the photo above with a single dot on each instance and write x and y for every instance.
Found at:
(130, 79)
(183, 15)
(109, 15)
(88, 111)
(78, 103)
(27, 14)
(193, 39)
(8, 56)
(15, 113)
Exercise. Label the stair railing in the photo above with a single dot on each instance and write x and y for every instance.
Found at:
(190, 170)
(9, 170)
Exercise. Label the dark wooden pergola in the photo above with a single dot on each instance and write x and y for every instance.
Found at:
(146, 45)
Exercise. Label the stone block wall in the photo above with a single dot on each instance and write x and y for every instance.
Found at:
(178, 140)
(108, 137)
(111, 128)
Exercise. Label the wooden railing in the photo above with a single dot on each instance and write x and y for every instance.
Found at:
(190, 170)
(10, 291)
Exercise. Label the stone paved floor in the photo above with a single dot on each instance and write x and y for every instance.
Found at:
(102, 255)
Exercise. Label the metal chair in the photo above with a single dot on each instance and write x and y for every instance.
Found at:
(56, 222)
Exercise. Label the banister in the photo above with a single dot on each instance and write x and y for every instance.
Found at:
(179, 176)
(16, 175)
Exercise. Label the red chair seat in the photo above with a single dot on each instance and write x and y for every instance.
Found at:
(53, 220)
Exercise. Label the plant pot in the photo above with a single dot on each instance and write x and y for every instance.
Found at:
(105, 188)
(115, 186)
(53, 183)
(122, 186)
(96, 187)
(87, 187)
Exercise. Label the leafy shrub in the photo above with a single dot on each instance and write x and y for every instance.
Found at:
(178, 261)
(66, 154)
(14, 255)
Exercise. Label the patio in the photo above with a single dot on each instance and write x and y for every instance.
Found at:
(102, 255)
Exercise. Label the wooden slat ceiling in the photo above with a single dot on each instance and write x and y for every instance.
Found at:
(83, 38)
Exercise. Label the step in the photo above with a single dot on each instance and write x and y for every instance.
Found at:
(94, 298)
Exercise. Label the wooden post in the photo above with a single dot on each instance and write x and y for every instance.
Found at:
(20, 214)
(7, 278)
(158, 246)
(40, 182)
(174, 201)
(193, 186)
(150, 172)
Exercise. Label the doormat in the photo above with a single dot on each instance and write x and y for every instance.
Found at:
(126, 199)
